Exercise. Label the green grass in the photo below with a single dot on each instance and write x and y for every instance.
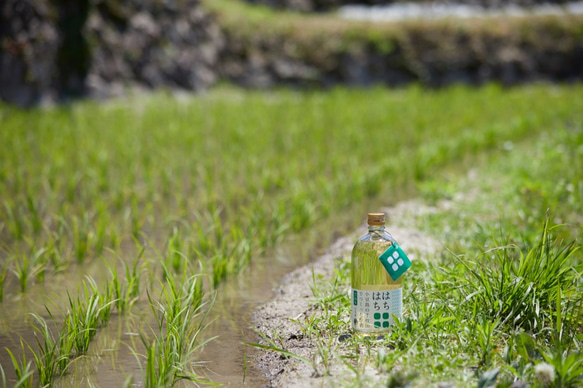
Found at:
(503, 300)
(199, 187)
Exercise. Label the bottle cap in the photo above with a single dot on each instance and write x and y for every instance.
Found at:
(376, 218)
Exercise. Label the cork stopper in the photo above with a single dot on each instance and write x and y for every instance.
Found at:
(376, 219)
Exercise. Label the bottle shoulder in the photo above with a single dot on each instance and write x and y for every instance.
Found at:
(377, 236)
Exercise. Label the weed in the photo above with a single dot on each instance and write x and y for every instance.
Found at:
(515, 286)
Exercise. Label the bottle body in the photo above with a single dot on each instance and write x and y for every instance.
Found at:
(375, 298)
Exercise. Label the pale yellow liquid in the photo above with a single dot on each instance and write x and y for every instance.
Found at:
(368, 273)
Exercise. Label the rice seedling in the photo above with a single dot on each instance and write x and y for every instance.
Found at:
(82, 237)
(49, 358)
(54, 257)
(3, 276)
(101, 231)
(174, 255)
(84, 317)
(82, 322)
(125, 292)
(33, 208)
(22, 269)
(179, 320)
(14, 222)
(22, 368)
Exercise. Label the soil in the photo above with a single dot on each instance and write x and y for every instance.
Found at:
(292, 302)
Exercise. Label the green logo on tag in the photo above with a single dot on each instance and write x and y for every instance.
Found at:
(395, 261)
(355, 298)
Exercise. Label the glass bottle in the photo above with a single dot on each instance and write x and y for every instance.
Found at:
(375, 296)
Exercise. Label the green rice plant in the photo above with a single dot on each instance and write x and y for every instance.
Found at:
(22, 368)
(137, 221)
(106, 302)
(220, 267)
(86, 316)
(3, 276)
(82, 237)
(13, 221)
(40, 264)
(205, 243)
(49, 360)
(174, 255)
(30, 266)
(54, 257)
(22, 270)
(102, 226)
(241, 250)
(133, 280)
(180, 320)
(66, 346)
(81, 322)
(303, 211)
(125, 292)
(33, 208)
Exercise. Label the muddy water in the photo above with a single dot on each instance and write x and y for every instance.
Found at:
(228, 358)
(116, 354)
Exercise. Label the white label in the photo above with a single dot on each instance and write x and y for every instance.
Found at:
(374, 310)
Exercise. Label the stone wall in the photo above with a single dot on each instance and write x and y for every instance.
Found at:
(323, 52)
(29, 41)
(59, 49)
(51, 50)
(152, 43)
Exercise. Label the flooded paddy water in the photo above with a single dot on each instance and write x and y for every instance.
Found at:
(116, 355)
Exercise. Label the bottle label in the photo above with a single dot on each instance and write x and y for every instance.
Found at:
(374, 310)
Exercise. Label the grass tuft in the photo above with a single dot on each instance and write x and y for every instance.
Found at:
(513, 286)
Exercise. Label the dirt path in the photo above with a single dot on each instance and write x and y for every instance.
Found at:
(292, 302)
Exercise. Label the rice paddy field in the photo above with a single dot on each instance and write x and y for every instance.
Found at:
(121, 222)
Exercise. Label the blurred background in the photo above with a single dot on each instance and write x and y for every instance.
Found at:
(51, 50)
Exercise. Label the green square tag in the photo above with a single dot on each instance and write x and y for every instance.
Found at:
(395, 261)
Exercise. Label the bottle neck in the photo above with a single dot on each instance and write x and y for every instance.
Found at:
(376, 228)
